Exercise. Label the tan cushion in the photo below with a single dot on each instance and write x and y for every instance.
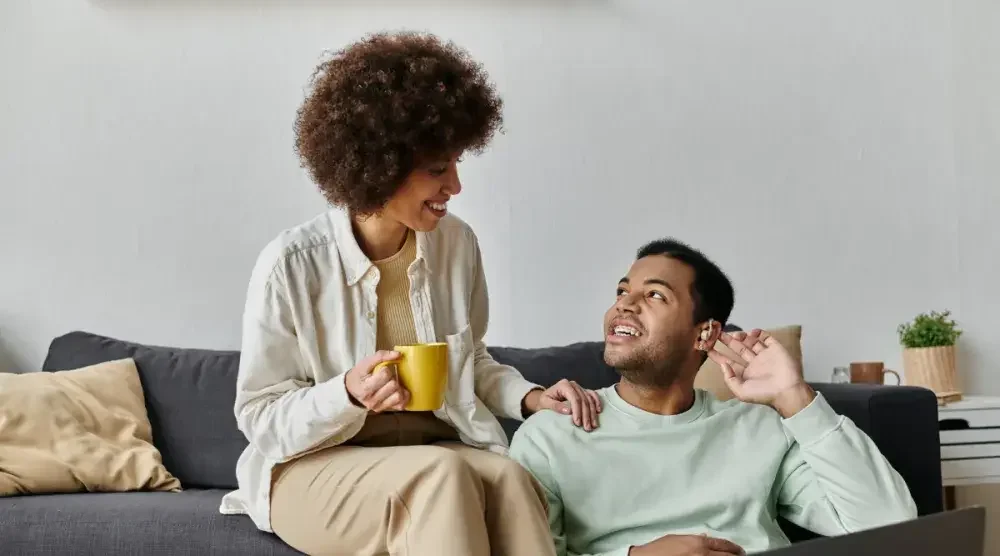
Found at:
(79, 430)
(709, 377)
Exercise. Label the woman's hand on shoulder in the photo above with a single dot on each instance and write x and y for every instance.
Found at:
(569, 398)
(380, 390)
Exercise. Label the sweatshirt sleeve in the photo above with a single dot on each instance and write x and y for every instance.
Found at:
(278, 408)
(834, 480)
(501, 387)
(532, 457)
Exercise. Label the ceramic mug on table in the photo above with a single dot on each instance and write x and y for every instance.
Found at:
(423, 370)
(871, 372)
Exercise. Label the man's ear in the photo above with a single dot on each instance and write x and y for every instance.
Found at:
(709, 335)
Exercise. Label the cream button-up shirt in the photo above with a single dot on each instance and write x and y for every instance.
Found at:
(310, 316)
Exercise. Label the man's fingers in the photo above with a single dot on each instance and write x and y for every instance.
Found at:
(761, 342)
(732, 379)
(735, 342)
(718, 357)
(727, 370)
(752, 339)
(723, 360)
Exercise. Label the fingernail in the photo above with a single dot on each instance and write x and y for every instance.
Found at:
(565, 410)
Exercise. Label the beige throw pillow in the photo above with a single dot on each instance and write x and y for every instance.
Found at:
(80, 430)
(709, 377)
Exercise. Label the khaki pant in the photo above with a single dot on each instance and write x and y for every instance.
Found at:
(405, 487)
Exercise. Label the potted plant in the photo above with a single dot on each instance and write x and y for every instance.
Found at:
(929, 353)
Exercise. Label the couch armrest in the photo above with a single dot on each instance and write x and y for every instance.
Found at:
(903, 423)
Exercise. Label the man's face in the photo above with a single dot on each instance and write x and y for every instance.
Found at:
(649, 331)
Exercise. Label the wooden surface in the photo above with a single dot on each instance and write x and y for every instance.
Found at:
(933, 368)
(973, 402)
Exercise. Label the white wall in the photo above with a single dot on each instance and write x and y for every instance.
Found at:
(976, 109)
(833, 157)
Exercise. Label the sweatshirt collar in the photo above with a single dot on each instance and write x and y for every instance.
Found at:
(620, 405)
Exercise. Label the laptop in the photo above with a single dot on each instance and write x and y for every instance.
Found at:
(952, 533)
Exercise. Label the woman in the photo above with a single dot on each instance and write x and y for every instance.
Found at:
(334, 465)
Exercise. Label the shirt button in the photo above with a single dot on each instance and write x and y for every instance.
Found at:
(371, 315)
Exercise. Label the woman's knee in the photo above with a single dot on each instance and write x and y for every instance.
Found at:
(441, 466)
(512, 479)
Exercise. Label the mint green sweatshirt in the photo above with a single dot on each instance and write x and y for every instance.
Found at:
(727, 469)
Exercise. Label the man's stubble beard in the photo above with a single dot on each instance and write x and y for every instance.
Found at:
(648, 368)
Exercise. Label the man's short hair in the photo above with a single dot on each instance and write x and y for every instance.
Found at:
(711, 289)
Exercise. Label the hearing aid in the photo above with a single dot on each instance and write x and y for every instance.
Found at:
(706, 333)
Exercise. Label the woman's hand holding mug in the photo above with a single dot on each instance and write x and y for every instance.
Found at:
(376, 391)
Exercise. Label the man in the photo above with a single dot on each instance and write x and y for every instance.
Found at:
(673, 471)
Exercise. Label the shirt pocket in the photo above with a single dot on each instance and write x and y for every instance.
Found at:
(461, 369)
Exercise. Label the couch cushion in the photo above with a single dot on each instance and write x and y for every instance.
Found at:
(190, 394)
(150, 523)
(79, 430)
(582, 362)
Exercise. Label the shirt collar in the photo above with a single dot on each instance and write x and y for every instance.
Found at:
(354, 261)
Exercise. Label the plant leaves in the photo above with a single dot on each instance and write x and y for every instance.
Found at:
(933, 329)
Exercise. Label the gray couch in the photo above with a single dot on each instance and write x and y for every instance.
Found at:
(189, 397)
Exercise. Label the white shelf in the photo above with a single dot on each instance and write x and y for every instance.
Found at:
(971, 456)
(972, 402)
(964, 451)
(968, 436)
(976, 418)
(973, 481)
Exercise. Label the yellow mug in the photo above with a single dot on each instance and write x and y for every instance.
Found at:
(423, 370)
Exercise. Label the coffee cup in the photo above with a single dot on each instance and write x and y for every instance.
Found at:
(423, 370)
(871, 372)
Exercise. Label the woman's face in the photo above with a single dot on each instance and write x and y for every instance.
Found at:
(422, 200)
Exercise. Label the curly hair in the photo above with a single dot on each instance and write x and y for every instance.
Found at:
(385, 104)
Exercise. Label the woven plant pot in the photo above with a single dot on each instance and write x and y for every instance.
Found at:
(932, 368)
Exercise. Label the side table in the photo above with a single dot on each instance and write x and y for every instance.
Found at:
(970, 443)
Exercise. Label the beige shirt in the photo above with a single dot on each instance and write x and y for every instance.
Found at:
(310, 316)
(394, 317)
